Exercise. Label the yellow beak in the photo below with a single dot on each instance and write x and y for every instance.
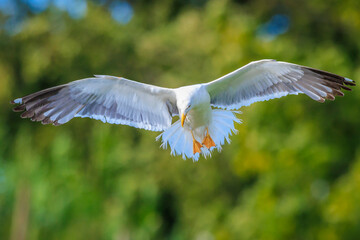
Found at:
(183, 116)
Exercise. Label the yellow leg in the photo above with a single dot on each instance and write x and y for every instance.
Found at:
(196, 145)
(208, 142)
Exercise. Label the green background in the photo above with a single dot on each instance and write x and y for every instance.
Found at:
(292, 171)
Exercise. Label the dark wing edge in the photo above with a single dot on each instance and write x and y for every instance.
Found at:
(36, 104)
(333, 81)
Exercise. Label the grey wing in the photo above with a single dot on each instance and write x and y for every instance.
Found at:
(106, 98)
(269, 79)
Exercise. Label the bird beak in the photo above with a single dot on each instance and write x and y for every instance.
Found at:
(183, 116)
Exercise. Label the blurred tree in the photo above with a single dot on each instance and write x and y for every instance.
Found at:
(292, 172)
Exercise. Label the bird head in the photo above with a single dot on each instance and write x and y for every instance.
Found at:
(189, 97)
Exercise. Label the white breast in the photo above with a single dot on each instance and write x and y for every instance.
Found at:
(199, 116)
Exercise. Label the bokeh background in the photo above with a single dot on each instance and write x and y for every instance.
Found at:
(292, 171)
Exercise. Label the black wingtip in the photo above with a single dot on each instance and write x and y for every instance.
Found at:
(17, 101)
(19, 108)
(349, 82)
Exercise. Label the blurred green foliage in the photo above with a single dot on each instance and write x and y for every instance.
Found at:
(292, 172)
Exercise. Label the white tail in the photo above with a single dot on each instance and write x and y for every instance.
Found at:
(180, 140)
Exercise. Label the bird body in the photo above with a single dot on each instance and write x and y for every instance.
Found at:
(207, 112)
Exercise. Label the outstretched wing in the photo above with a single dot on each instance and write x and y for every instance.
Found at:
(106, 98)
(268, 79)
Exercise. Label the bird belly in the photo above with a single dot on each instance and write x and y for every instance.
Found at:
(199, 116)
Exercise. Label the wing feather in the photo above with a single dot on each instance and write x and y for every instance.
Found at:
(267, 79)
(106, 98)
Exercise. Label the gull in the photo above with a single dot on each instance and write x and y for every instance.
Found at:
(207, 112)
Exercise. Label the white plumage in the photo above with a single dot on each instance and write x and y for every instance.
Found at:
(201, 128)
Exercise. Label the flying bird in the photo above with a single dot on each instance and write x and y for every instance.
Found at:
(207, 111)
